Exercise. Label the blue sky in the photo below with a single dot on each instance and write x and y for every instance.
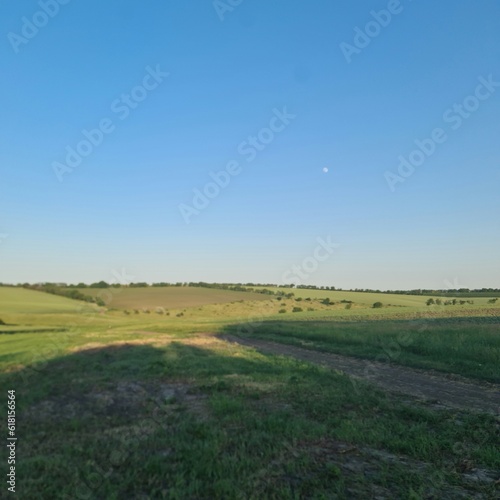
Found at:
(121, 209)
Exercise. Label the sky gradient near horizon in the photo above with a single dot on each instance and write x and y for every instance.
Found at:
(308, 113)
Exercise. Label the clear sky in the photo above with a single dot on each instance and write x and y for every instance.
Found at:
(309, 114)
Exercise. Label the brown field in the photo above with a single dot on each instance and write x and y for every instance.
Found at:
(168, 297)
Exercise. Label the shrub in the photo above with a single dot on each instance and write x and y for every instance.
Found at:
(430, 302)
(136, 311)
(126, 312)
(310, 309)
(377, 305)
(179, 315)
(348, 306)
(308, 299)
(298, 299)
(2, 322)
(281, 311)
(297, 309)
(326, 301)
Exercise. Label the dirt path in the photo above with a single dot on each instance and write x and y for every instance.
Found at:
(442, 390)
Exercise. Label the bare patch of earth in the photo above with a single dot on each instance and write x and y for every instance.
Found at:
(130, 399)
(366, 472)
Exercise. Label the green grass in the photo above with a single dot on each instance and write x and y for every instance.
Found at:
(131, 406)
(368, 299)
(22, 301)
(468, 346)
(108, 423)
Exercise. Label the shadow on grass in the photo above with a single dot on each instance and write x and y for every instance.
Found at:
(102, 422)
(132, 420)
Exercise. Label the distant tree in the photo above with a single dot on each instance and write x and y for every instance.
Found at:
(439, 302)
(297, 309)
(378, 305)
(430, 302)
(99, 284)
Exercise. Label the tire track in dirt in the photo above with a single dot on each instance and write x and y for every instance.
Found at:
(448, 391)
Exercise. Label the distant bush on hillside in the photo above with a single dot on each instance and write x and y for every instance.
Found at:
(297, 309)
(282, 311)
(2, 322)
(377, 305)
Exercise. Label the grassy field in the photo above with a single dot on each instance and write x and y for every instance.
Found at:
(167, 297)
(114, 405)
(22, 301)
(368, 299)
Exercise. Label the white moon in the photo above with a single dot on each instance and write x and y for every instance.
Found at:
(325, 170)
